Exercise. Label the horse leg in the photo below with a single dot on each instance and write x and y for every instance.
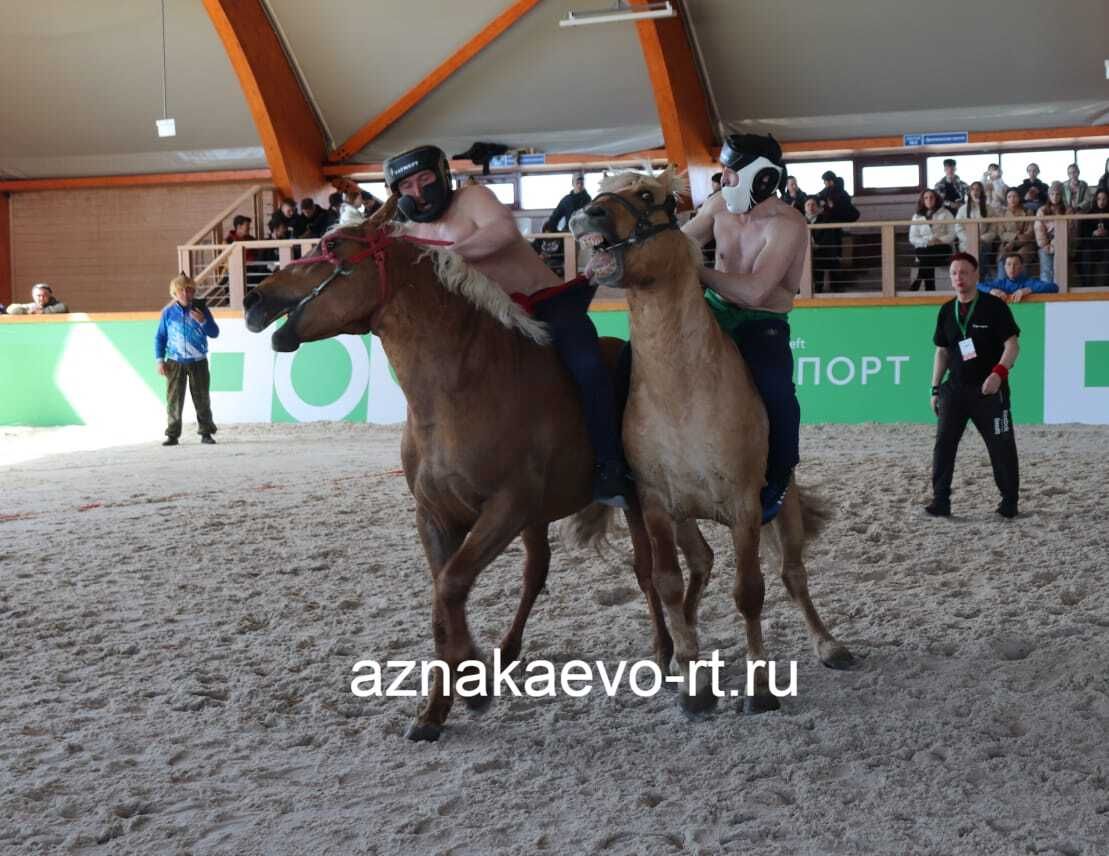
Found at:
(790, 530)
(699, 556)
(440, 542)
(641, 552)
(696, 698)
(499, 522)
(750, 590)
(536, 565)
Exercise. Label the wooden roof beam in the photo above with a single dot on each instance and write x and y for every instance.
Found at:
(374, 128)
(683, 105)
(291, 137)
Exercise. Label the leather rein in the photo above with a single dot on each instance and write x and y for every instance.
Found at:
(377, 243)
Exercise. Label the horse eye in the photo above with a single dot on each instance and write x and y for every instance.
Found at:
(331, 245)
(646, 196)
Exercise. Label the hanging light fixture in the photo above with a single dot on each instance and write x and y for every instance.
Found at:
(620, 12)
(166, 126)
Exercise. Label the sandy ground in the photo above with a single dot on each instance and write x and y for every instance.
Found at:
(179, 627)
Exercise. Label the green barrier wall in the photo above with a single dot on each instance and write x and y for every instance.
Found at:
(852, 364)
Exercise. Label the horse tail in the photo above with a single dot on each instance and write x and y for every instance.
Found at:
(815, 512)
(589, 527)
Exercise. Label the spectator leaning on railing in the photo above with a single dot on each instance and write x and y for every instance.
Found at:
(1030, 199)
(1016, 284)
(932, 237)
(951, 188)
(978, 208)
(1045, 229)
(578, 197)
(837, 207)
(824, 251)
(1103, 182)
(1016, 235)
(315, 219)
(1093, 244)
(1076, 193)
(43, 302)
(995, 186)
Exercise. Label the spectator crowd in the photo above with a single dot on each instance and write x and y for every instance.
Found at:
(939, 227)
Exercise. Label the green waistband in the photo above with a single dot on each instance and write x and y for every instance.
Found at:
(729, 315)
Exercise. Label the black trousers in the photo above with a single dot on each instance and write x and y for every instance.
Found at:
(575, 338)
(198, 380)
(765, 348)
(927, 260)
(992, 416)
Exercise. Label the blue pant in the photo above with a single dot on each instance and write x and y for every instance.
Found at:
(575, 339)
(764, 344)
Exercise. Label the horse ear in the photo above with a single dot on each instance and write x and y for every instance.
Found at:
(385, 213)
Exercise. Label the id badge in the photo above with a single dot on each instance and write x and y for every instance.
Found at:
(966, 348)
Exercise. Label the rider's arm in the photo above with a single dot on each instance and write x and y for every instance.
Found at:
(700, 227)
(495, 226)
(751, 290)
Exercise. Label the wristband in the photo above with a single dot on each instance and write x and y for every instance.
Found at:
(935, 390)
(1001, 371)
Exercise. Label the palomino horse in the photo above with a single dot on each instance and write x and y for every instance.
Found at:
(695, 431)
(495, 443)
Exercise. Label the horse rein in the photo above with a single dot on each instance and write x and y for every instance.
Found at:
(376, 245)
(644, 228)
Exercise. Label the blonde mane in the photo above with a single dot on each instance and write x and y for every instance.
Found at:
(462, 279)
(668, 181)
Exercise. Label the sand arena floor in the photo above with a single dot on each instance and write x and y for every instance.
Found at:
(179, 627)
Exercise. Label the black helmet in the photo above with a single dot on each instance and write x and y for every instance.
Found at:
(437, 195)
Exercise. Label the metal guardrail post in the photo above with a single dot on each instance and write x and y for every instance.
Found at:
(889, 262)
(1062, 255)
(236, 278)
(806, 270)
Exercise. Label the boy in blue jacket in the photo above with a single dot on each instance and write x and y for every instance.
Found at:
(181, 349)
(1016, 285)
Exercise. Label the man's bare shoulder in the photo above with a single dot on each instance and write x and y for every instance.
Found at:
(785, 218)
(478, 197)
(713, 205)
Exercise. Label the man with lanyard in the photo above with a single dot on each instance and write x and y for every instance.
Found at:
(483, 232)
(760, 256)
(976, 341)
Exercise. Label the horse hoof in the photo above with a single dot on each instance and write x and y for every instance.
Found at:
(478, 703)
(423, 732)
(695, 707)
(840, 659)
(760, 704)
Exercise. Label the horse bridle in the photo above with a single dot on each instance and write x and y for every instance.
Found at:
(644, 228)
(376, 243)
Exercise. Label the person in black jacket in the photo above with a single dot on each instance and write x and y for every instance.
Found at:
(794, 195)
(977, 343)
(571, 202)
(836, 207)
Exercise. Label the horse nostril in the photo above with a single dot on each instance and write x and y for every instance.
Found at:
(251, 299)
(596, 212)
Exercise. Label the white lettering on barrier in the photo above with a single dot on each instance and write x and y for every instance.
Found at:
(832, 375)
(834, 371)
(339, 409)
(871, 365)
(897, 361)
(812, 361)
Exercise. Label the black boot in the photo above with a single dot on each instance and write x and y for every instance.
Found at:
(772, 496)
(1008, 508)
(169, 441)
(938, 509)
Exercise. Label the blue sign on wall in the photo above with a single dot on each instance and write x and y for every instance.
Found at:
(532, 160)
(945, 138)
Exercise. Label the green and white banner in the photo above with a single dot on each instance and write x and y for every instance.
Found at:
(852, 364)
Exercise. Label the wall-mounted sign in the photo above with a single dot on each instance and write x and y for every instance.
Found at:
(945, 138)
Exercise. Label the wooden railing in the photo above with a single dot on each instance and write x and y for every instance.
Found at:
(876, 259)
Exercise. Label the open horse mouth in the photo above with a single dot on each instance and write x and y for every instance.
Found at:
(604, 266)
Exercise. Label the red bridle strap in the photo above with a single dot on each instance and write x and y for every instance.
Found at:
(377, 242)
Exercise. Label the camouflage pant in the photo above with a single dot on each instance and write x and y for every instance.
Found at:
(198, 379)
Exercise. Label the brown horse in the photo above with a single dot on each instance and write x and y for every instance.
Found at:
(695, 430)
(495, 443)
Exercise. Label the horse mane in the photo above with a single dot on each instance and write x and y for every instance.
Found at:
(456, 276)
(669, 180)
